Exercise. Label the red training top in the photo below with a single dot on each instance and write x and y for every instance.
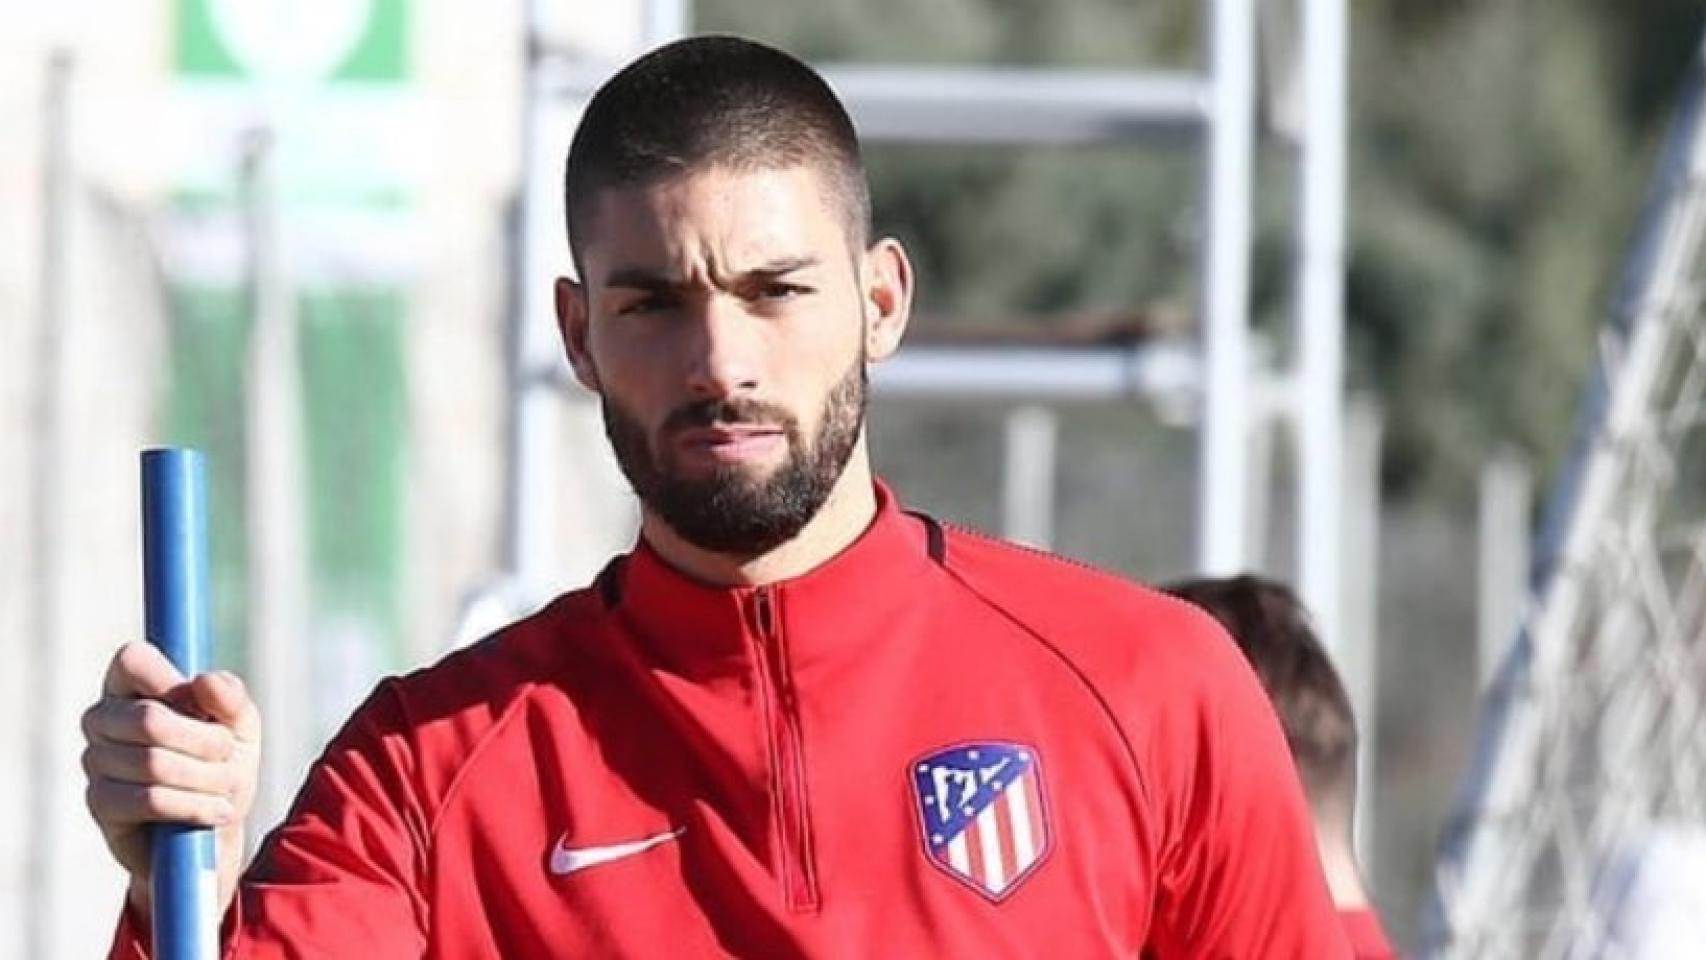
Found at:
(934, 744)
(1367, 936)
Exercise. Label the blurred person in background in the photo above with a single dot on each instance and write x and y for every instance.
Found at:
(1271, 626)
(795, 720)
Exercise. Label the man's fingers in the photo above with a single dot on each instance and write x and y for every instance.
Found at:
(151, 723)
(156, 766)
(116, 803)
(225, 700)
(140, 670)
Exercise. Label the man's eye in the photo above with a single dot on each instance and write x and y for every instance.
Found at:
(781, 291)
(644, 305)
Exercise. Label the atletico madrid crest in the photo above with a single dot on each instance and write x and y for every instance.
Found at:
(982, 811)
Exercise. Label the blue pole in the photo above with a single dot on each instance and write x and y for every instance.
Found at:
(175, 587)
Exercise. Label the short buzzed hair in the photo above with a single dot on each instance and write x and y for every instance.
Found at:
(705, 102)
(1271, 626)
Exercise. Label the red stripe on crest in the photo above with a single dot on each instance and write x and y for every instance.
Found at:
(974, 853)
(1004, 826)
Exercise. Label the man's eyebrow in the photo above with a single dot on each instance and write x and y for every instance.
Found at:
(641, 278)
(783, 266)
(648, 279)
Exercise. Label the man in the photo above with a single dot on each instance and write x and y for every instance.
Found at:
(795, 720)
(1271, 627)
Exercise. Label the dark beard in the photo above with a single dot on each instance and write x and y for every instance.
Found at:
(727, 511)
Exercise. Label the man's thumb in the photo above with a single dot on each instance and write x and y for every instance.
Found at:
(226, 700)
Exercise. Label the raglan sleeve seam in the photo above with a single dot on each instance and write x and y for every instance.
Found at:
(1080, 675)
(469, 761)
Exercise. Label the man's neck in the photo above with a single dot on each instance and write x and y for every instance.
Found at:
(1344, 880)
(844, 516)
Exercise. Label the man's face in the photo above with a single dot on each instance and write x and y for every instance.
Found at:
(723, 322)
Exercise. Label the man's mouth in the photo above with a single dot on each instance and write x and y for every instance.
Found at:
(730, 443)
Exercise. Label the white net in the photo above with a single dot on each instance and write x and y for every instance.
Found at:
(1581, 831)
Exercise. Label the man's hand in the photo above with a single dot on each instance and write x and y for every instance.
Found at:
(160, 748)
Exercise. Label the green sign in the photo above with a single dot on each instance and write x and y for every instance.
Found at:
(332, 41)
(330, 80)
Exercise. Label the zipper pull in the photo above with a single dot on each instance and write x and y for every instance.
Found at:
(766, 624)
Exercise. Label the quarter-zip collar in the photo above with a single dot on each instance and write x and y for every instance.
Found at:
(766, 639)
(700, 629)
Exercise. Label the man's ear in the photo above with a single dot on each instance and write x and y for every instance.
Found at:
(573, 323)
(887, 278)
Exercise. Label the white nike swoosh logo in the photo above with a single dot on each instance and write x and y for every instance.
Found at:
(566, 860)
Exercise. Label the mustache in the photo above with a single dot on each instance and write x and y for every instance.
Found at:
(705, 413)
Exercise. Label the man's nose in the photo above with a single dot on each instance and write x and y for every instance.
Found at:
(724, 360)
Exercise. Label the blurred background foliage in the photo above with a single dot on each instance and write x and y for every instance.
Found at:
(1498, 149)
